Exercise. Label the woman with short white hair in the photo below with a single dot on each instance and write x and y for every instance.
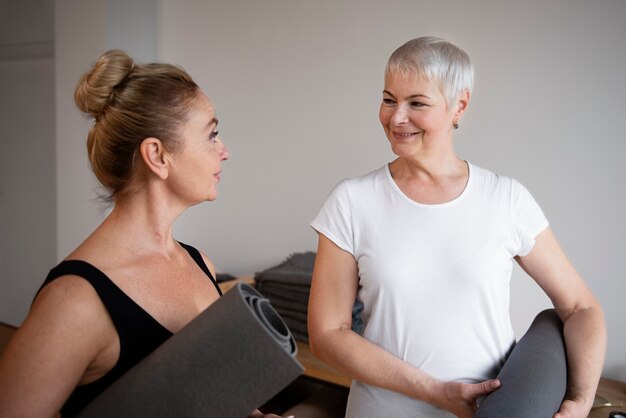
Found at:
(427, 243)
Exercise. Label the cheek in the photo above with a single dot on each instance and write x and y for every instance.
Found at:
(212, 160)
(383, 115)
(427, 121)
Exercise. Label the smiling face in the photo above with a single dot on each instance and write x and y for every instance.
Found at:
(414, 113)
(196, 166)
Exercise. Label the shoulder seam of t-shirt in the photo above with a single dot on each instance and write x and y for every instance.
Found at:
(351, 216)
(338, 242)
(534, 232)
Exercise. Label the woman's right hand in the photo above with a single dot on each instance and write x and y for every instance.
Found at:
(460, 398)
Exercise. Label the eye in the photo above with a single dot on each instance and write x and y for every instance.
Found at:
(418, 104)
(213, 135)
(388, 102)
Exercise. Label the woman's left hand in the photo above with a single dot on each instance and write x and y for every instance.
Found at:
(572, 409)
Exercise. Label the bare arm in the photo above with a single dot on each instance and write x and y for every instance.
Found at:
(333, 291)
(582, 316)
(53, 350)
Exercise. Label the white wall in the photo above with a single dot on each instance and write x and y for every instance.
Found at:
(27, 163)
(85, 29)
(297, 86)
(80, 35)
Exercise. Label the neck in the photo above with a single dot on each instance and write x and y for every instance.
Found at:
(428, 165)
(143, 220)
(430, 181)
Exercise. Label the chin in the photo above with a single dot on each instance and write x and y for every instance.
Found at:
(212, 196)
(207, 198)
(403, 150)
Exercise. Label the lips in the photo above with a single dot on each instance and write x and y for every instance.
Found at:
(404, 135)
(218, 175)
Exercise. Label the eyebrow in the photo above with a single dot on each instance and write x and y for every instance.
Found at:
(413, 96)
(213, 121)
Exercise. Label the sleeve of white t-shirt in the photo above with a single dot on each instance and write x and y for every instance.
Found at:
(334, 220)
(528, 218)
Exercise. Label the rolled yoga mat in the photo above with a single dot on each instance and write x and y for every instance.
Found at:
(228, 361)
(534, 376)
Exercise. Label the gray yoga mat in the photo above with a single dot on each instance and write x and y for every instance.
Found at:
(534, 377)
(228, 361)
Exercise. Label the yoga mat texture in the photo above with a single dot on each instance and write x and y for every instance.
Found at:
(534, 376)
(228, 361)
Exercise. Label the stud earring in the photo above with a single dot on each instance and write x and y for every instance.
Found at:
(456, 125)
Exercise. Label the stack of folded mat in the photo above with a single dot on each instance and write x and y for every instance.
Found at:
(288, 285)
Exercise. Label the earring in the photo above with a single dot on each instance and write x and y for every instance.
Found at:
(456, 125)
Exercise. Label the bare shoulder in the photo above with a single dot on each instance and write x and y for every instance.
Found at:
(65, 330)
(69, 295)
(71, 316)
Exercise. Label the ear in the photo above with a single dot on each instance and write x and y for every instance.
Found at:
(462, 103)
(155, 156)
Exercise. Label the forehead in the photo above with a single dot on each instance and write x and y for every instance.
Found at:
(202, 108)
(409, 82)
(201, 113)
(200, 117)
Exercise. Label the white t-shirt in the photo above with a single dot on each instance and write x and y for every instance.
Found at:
(434, 279)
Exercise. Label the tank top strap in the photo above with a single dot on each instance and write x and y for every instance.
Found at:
(197, 257)
(110, 294)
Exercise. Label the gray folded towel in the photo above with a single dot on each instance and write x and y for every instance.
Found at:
(287, 286)
(297, 269)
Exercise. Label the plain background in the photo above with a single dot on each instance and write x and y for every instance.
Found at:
(297, 85)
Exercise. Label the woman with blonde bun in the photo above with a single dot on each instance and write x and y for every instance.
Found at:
(154, 146)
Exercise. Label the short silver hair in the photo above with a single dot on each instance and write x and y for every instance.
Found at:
(436, 60)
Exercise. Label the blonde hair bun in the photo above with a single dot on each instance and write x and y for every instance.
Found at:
(96, 87)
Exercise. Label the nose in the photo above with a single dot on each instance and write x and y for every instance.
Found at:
(224, 152)
(399, 115)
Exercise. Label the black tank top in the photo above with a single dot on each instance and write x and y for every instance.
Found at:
(138, 331)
